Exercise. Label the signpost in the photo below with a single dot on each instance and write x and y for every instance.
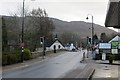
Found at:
(114, 46)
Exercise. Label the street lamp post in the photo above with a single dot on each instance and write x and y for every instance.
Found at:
(22, 33)
(92, 42)
(22, 58)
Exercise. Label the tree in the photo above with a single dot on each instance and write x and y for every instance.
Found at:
(19, 11)
(37, 24)
(111, 36)
(12, 28)
(95, 39)
(42, 26)
(4, 36)
(103, 37)
(68, 37)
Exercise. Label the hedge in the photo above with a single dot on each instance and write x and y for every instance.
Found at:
(13, 57)
(10, 57)
(99, 56)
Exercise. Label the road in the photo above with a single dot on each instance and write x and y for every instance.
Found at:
(55, 67)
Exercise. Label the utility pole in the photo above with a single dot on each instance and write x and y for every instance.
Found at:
(22, 45)
(92, 42)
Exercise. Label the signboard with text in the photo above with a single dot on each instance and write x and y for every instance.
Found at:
(114, 44)
(114, 51)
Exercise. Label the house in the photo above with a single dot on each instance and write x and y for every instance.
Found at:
(113, 20)
(105, 49)
(56, 44)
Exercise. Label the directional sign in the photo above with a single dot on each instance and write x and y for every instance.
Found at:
(114, 44)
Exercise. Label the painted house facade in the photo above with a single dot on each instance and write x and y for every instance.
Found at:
(56, 44)
(104, 49)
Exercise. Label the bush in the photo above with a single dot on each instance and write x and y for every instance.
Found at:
(4, 59)
(117, 57)
(13, 57)
(27, 54)
(111, 58)
(10, 57)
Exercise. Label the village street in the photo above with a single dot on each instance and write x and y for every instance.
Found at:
(55, 67)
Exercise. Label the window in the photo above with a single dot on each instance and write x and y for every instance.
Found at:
(59, 46)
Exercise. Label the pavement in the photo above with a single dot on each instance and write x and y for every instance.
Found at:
(83, 71)
(105, 70)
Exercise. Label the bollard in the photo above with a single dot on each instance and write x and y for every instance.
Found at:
(83, 56)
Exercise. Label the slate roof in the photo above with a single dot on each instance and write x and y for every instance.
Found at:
(117, 38)
(113, 14)
(48, 44)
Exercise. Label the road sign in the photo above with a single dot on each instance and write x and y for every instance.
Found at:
(114, 44)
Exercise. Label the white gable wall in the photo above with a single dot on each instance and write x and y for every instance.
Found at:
(56, 43)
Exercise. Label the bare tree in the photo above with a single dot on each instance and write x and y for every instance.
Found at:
(41, 26)
(37, 23)
(69, 37)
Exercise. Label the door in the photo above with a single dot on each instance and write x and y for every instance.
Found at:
(103, 56)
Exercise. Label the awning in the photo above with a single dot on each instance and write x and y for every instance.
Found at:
(104, 46)
(113, 14)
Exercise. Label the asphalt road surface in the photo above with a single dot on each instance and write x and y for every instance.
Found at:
(55, 67)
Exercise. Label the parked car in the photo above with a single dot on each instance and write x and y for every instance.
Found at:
(74, 50)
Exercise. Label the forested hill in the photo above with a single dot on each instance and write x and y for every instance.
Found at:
(79, 27)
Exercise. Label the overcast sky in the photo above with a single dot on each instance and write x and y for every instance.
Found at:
(67, 10)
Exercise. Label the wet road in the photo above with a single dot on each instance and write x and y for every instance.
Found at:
(49, 68)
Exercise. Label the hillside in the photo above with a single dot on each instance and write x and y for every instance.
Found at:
(79, 27)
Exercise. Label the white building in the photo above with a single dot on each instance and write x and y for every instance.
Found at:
(72, 46)
(113, 46)
(56, 44)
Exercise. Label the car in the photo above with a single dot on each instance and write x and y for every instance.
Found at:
(74, 50)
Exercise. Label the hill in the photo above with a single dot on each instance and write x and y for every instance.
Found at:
(80, 27)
